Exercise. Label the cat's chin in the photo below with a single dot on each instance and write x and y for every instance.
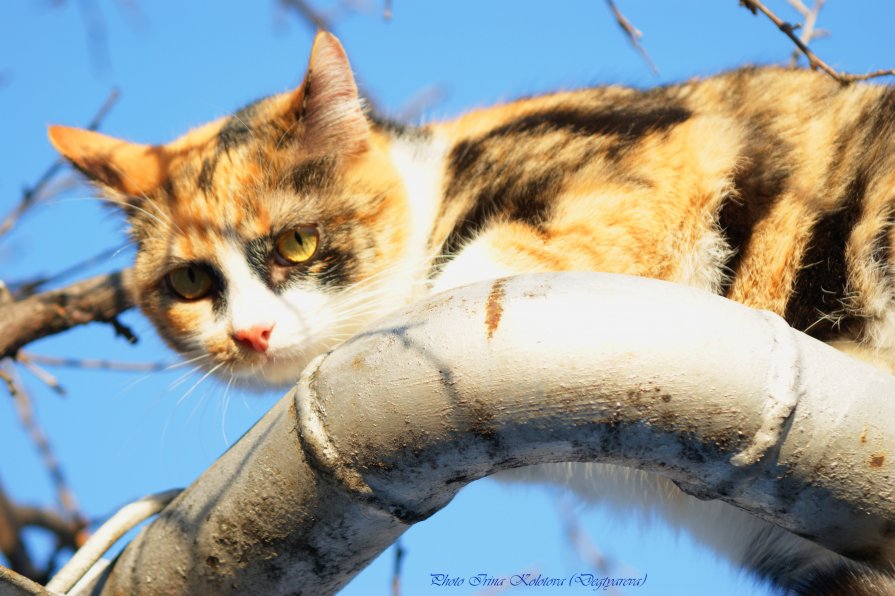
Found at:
(273, 374)
(259, 384)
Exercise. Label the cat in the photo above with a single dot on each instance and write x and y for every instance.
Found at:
(268, 237)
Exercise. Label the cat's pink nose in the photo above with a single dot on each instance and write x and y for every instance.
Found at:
(256, 337)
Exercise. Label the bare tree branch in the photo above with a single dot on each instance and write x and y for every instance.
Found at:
(22, 289)
(813, 61)
(14, 584)
(69, 533)
(100, 298)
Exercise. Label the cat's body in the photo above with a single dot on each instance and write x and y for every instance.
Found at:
(270, 236)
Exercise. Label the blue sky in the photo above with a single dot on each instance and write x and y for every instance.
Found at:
(179, 64)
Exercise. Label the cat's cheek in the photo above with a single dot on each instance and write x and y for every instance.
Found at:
(183, 322)
(221, 346)
(281, 374)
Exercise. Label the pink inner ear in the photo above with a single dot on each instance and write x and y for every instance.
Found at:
(333, 116)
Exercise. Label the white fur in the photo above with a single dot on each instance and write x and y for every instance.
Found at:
(475, 262)
(702, 264)
(643, 496)
(879, 306)
(301, 318)
(420, 164)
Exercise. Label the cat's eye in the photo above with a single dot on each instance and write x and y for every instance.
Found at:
(190, 282)
(297, 245)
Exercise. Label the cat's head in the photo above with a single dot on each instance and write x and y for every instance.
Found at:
(266, 237)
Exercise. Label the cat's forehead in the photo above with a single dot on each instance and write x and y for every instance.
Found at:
(240, 149)
(238, 180)
(190, 224)
(237, 148)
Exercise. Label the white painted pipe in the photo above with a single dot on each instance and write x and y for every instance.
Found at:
(727, 401)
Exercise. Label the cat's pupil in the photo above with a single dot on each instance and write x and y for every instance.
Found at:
(298, 238)
(191, 273)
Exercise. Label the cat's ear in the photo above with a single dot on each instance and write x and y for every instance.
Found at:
(329, 109)
(127, 169)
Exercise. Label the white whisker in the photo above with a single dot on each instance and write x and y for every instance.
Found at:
(197, 383)
(226, 403)
(133, 383)
(179, 380)
(185, 362)
(199, 402)
(161, 217)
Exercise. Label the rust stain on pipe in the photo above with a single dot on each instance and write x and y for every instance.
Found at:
(494, 307)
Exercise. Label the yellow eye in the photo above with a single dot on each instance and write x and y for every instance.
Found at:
(190, 282)
(297, 245)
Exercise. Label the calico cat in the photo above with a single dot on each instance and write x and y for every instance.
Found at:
(268, 237)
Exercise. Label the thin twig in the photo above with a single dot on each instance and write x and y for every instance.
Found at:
(34, 194)
(310, 16)
(87, 363)
(316, 21)
(6, 378)
(422, 101)
(396, 569)
(97, 34)
(22, 401)
(580, 541)
(813, 61)
(633, 34)
(104, 109)
(48, 379)
(30, 196)
(123, 331)
(809, 30)
(134, 15)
